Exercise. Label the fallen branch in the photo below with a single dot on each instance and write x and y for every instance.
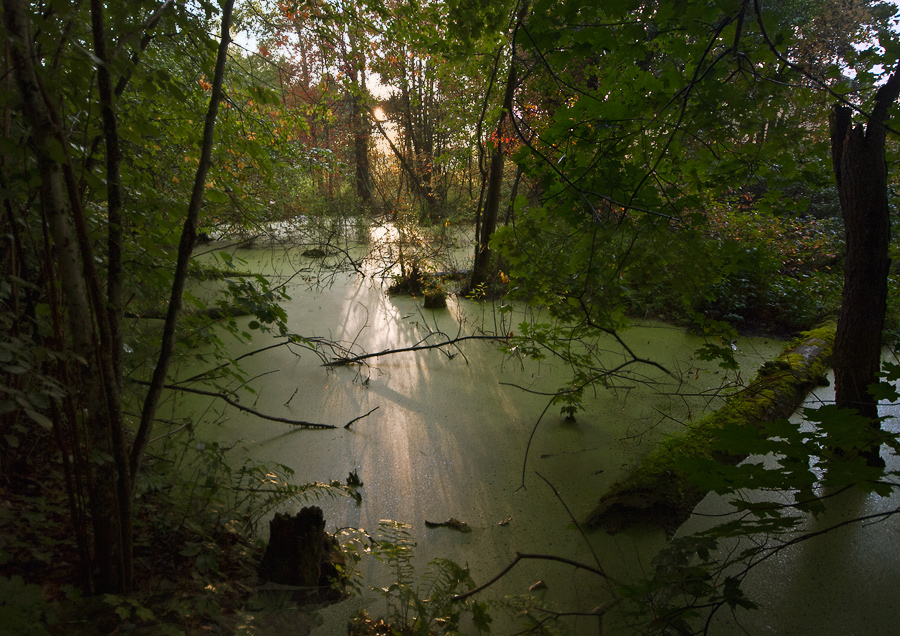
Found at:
(213, 313)
(418, 347)
(232, 402)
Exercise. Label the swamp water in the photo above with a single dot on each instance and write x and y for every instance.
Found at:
(450, 433)
(842, 583)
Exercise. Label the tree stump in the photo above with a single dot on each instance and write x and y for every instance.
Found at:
(301, 554)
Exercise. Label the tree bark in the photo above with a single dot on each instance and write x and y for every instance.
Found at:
(84, 305)
(359, 119)
(301, 554)
(861, 174)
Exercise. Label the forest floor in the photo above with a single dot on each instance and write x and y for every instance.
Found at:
(42, 582)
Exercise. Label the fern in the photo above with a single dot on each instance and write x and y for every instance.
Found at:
(426, 607)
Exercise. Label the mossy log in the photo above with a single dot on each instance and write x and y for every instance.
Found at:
(657, 493)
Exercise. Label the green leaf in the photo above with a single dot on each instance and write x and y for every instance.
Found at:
(216, 196)
(39, 418)
(884, 392)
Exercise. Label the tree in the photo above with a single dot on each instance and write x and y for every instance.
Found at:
(861, 171)
(54, 88)
(321, 54)
(481, 270)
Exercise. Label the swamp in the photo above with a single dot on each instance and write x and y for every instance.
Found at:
(442, 317)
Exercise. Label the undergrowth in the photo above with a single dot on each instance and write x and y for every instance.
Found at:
(423, 606)
(196, 550)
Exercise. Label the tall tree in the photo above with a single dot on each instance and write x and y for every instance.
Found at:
(481, 270)
(324, 47)
(53, 95)
(634, 116)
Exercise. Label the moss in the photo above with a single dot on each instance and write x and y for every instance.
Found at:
(658, 492)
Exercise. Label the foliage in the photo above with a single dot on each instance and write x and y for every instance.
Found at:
(796, 471)
(23, 609)
(204, 481)
(425, 606)
(197, 548)
(667, 170)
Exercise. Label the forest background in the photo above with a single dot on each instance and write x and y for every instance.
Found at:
(719, 165)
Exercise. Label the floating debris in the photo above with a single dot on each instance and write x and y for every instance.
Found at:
(456, 524)
(353, 480)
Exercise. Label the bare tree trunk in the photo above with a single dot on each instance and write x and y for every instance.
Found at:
(861, 173)
(185, 248)
(359, 118)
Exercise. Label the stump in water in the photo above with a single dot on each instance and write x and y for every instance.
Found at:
(300, 553)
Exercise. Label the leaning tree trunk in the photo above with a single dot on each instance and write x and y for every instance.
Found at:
(861, 173)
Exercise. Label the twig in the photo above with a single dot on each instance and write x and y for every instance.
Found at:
(531, 438)
(356, 419)
(574, 520)
(520, 556)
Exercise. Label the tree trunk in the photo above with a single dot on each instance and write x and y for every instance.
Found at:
(481, 271)
(296, 548)
(185, 249)
(301, 554)
(360, 125)
(111, 549)
(861, 173)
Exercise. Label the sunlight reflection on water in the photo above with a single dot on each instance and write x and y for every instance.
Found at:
(448, 439)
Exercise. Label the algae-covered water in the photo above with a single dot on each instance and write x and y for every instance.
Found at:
(841, 582)
(451, 429)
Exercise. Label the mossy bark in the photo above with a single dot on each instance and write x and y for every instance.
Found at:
(658, 493)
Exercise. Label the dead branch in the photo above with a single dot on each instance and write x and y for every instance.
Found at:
(417, 347)
(356, 419)
(519, 557)
(232, 402)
